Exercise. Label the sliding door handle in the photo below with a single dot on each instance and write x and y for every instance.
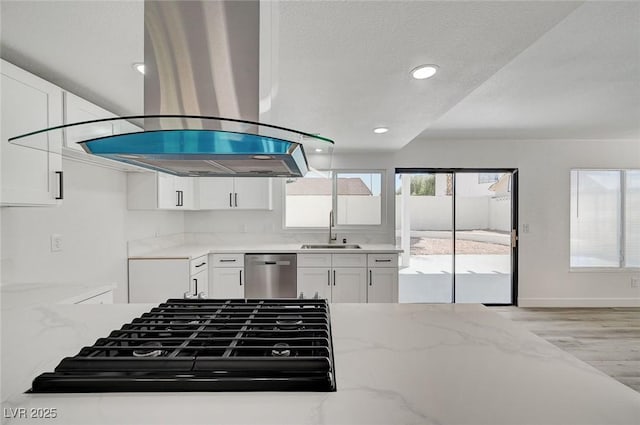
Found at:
(60, 185)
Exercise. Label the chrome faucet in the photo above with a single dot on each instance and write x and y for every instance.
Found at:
(332, 237)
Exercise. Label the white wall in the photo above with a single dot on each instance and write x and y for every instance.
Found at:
(544, 173)
(473, 213)
(95, 226)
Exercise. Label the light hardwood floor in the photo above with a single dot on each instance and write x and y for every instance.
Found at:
(606, 338)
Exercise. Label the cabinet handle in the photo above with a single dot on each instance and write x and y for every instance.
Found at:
(60, 184)
(230, 195)
(227, 261)
(201, 264)
(240, 277)
(179, 202)
(235, 199)
(384, 261)
(328, 277)
(370, 278)
(334, 278)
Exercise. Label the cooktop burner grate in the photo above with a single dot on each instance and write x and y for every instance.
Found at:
(207, 345)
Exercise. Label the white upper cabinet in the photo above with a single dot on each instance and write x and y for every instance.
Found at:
(76, 110)
(30, 176)
(151, 190)
(227, 193)
(215, 193)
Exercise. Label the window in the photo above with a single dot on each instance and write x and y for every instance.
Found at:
(604, 230)
(359, 200)
(354, 196)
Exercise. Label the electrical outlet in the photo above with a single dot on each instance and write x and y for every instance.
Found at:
(525, 228)
(56, 243)
(635, 282)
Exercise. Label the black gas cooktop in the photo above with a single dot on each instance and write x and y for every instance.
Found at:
(207, 345)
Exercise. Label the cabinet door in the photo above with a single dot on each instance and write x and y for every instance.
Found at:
(383, 285)
(155, 281)
(168, 197)
(200, 281)
(30, 176)
(349, 285)
(185, 186)
(215, 193)
(252, 193)
(76, 110)
(227, 283)
(314, 280)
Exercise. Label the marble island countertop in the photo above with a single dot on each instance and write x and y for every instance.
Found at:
(190, 251)
(395, 364)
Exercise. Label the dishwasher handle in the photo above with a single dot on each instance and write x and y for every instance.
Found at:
(274, 263)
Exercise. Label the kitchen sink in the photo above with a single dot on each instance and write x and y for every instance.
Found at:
(331, 246)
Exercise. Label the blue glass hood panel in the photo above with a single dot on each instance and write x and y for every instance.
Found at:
(185, 142)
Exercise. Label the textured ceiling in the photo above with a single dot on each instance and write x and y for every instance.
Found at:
(581, 80)
(87, 47)
(518, 69)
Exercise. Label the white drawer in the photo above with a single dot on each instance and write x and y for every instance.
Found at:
(199, 264)
(314, 260)
(227, 260)
(349, 260)
(382, 260)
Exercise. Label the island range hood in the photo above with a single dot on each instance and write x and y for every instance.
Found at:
(201, 101)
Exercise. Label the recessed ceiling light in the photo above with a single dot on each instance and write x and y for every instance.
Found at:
(318, 150)
(380, 130)
(423, 72)
(139, 67)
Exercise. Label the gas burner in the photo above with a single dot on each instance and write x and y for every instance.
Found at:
(281, 349)
(149, 349)
(207, 345)
(289, 323)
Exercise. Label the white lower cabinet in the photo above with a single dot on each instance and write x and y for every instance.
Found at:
(227, 276)
(157, 280)
(339, 278)
(349, 285)
(382, 278)
(383, 285)
(314, 282)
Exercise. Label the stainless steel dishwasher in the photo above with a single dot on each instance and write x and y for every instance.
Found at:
(270, 275)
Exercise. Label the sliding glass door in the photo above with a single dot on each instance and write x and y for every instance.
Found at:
(455, 227)
(424, 218)
(483, 223)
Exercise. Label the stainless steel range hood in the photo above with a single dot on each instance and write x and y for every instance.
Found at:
(201, 100)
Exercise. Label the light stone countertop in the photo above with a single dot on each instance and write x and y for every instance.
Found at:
(22, 295)
(189, 251)
(395, 364)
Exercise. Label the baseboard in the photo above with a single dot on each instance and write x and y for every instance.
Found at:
(578, 302)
